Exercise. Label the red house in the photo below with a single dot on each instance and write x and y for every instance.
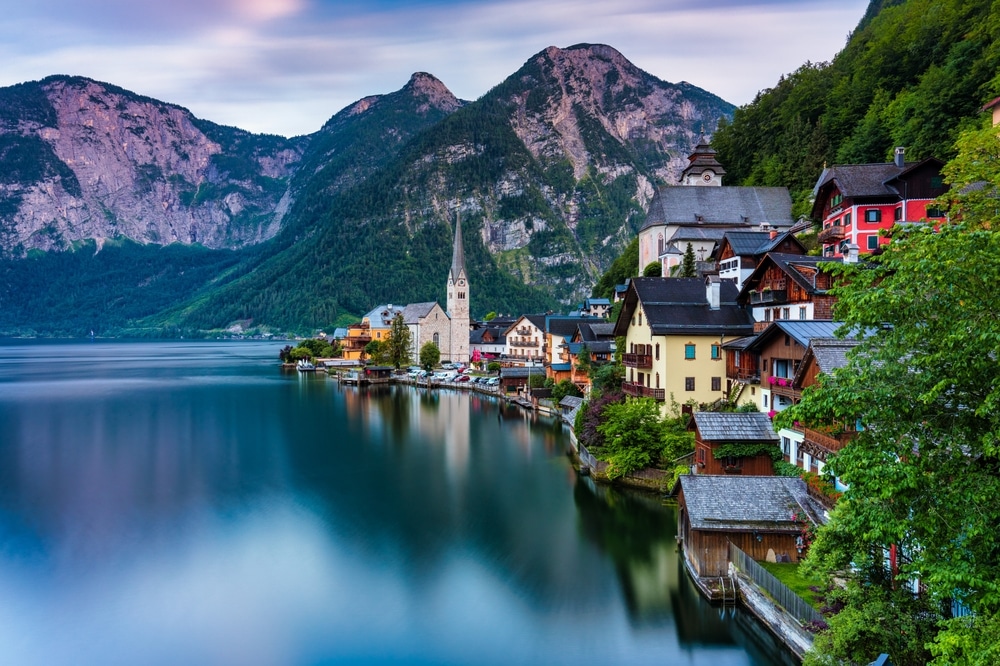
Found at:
(857, 201)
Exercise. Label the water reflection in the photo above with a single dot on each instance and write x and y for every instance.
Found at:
(166, 503)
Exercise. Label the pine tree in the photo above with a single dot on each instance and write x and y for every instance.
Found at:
(689, 269)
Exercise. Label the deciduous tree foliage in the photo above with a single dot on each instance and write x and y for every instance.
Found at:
(924, 474)
(399, 343)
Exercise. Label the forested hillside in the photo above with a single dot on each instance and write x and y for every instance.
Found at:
(913, 74)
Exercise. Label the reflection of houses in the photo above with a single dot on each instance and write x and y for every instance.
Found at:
(674, 329)
(740, 252)
(734, 443)
(857, 201)
(761, 515)
(788, 286)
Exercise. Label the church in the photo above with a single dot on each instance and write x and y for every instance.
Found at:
(700, 210)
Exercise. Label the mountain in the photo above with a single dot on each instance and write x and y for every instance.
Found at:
(549, 173)
(913, 74)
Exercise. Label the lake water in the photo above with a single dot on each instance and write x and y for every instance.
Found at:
(190, 503)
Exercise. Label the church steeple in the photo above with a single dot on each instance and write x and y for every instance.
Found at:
(703, 167)
(458, 300)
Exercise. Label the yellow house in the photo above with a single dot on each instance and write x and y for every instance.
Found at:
(674, 330)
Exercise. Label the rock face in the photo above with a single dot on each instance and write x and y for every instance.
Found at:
(116, 164)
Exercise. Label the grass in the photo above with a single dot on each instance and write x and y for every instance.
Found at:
(788, 573)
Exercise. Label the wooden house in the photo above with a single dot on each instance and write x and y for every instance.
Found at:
(739, 431)
(788, 286)
(740, 252)
(764, 516)
(779, 349)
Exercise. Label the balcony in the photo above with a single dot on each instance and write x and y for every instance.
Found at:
(828, 442)
(637, 360)
(638, 391)
(524, 331)
(523, 343)
(748, 375)
(833, 234)
(769, 296)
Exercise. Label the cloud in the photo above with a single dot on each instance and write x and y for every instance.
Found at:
(286, 66)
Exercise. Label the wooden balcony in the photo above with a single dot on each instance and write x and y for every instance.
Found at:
(638, 391)
(748, 375)
(523, 343)
(833, 234)
(830, 442)
(637, 360)
(769, 296)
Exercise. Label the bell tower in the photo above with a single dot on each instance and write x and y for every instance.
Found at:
(458, 300)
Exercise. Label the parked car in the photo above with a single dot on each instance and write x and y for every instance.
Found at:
(462, 378)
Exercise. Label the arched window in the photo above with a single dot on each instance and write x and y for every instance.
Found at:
(437, 340)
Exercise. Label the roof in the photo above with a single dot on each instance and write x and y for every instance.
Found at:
(735, 426)
(725, 205)
(382, 316)
(339, 333)
(802, 331)
(865, 180)
(457, 252)
(565, 325)
(831, 353)
(597, 331)
(476, 335)
(747, 502)
(598, 346)
(800, 268)
(414, 312)
(679, 306)
(688, 234)
(561, 367)
(591, 302)
(740, 343)
(571, 401)
(516, 373)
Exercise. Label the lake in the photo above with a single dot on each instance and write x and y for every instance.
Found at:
(192, 503)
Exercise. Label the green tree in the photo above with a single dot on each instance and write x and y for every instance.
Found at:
(563, 389)
(924, 474)
(399, 342)
(377, 352)
(689, 267)
(584, 363)
(652, 269)
(622, 268)
(633, 432)
(430, 356)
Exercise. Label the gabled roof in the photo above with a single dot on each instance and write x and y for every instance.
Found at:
(592, 302)
(800, 268)
(564, 325)
(382, 316)
(679, 306)
(745, 503)
(732, 206)
(827, 354)
(865, 180)
(414, 312)
(590, 332)
(802, 331)
(476, 336)
(538, 321)
(595, 346)
(735, 426)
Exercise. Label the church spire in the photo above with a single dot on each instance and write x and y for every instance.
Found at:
(458, 252)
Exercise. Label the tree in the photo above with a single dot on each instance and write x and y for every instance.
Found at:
(563, 389)
(430, 356)
(376, 351)
(689, 268)
(653, 269)
(399, 342)
(633, 433)
(924, 474)
(584, 364)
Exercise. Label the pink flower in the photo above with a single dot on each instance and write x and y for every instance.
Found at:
(771, 414)
(771, 380)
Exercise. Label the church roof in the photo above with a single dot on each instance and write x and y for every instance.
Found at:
(414, 312)
(729, 206)
(702, 159)
(458, 252)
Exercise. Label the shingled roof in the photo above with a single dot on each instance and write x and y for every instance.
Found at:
(744, 503)
(735, 427)
(414, 312)
(799, 268)
(733, 206)
(679, 306)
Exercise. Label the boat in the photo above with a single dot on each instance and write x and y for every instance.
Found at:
(305, 366)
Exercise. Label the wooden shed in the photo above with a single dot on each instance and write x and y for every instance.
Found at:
(746, 431)
(762, 515)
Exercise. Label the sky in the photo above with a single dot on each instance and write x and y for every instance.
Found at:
(286, 66)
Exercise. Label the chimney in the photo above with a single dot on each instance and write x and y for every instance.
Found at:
(712, 289)
(774, 234)
(851, 254)
(900, 152)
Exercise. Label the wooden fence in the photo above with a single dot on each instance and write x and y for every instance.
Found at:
(782, 595)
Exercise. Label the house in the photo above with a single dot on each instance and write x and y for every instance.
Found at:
(779, 350)
(674, 329)
(595, 307)
(525, 339)
(559, 332)
(809, 445)
(788, 286)
(594, 339)
(855, 202)
(358, 337)
(723, 439)
(487, 341)
(763, 516)
(516, 379)
(740, 252)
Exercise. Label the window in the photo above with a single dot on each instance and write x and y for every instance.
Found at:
(689, 352)
(802, 312)
(657, 351)
(777, 314)
(873, 215)
(847, 220)
(788, 340)
(701, 456)
(767, 315)
(786, 446)
(716, 383)
(716, 352)
(785, 313)
(936, 182)
(836, 200)
(897, 215)
(437, 339)
(640, 319)
(689, 383)
(657, 380)
(934, 211)
(872, 242)
(763, 397)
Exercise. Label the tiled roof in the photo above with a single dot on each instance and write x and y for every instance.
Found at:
(571, 401)
(414, 312)
(737, 206)
(747, 242)
(687, 234)
(740, 343)
(476, 336)
(519, 372)
(564, 325)
(595, 346)
(861, 180)
(735, 426)
(382, 316)
(747, 502)
(597, 331)
(831, 353)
